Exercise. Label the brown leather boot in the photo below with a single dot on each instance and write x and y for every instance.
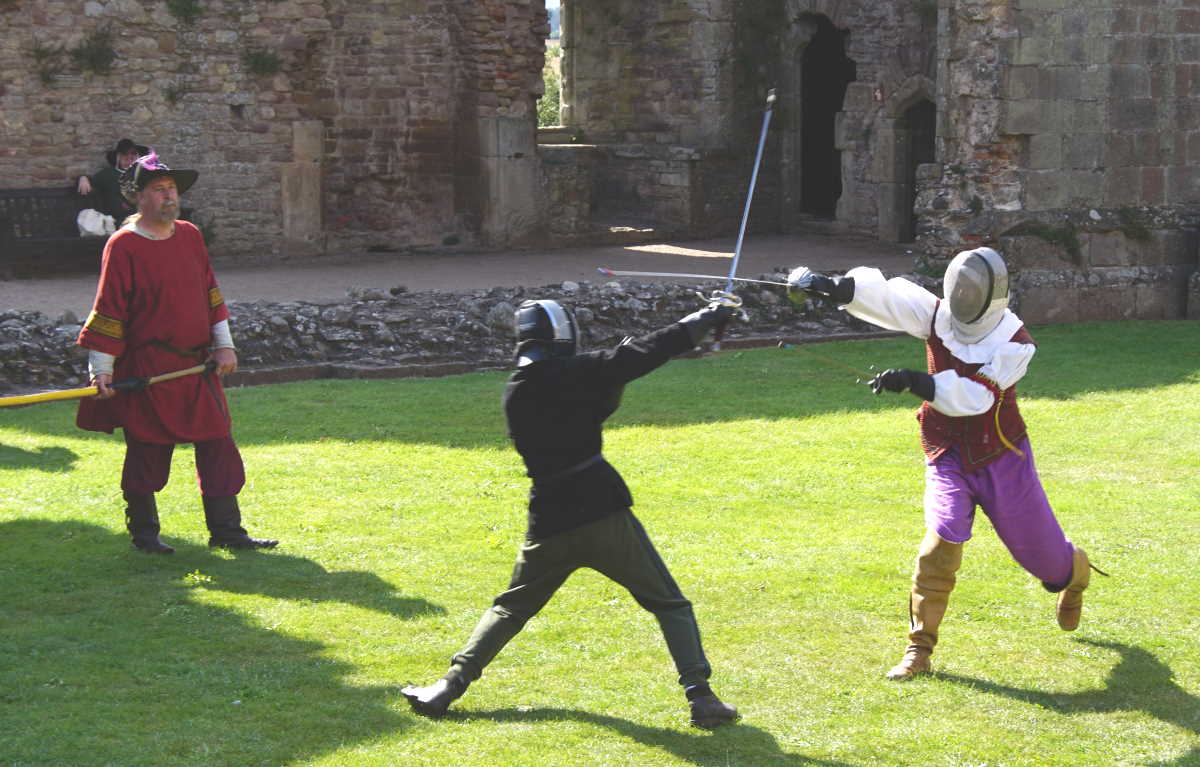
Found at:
(937, 562)
(1070, 599)
(141, 520)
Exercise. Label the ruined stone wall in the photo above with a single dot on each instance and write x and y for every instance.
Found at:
(315, 124)
(893, 46)
(648, 72)
(1069, 136)
(694, 75)
(379, 331)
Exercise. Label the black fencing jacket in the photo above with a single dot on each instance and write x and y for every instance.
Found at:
(556, 410)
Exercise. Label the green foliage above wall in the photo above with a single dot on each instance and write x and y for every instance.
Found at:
(550, 104)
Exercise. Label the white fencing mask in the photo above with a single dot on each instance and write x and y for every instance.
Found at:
(976, 286)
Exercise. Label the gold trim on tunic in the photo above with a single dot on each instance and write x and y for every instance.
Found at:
(105, 326)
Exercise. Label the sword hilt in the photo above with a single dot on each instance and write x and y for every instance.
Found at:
(721, 298)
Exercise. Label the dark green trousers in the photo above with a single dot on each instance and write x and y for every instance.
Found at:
(616, 546)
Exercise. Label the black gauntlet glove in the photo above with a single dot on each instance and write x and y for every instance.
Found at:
(700, 324)
(899, 380)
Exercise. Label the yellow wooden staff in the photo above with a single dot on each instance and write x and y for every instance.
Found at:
(128, 385)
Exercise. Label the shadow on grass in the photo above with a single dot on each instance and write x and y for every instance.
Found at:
(48, 459)
(279, 575)
(732, 744)
(1139, 682)
(111, 656)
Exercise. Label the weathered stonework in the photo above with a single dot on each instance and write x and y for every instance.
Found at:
(394, 332)
(1078, 122)
(372, 134)
(393, 124)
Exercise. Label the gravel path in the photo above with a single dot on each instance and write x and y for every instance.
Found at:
(328, 280)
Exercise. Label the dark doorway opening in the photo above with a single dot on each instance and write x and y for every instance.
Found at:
(825, 73)
(919, 124)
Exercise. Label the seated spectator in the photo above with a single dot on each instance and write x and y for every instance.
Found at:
(102, 185)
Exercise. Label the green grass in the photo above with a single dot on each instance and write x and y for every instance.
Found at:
(785, 498)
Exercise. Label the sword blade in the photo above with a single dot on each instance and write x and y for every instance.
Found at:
(762, 140)
(623, 273)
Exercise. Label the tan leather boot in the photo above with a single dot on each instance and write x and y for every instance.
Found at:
(1070, 599)
(937, 562)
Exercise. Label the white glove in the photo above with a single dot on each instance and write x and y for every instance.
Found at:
(801, 278)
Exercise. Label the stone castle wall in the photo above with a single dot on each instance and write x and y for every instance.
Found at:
(1070, 137)
(380, 331)
(1067, 133)
(367, 136)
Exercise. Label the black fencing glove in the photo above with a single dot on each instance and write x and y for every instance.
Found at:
(700, 324)
(898, 380)
(804, 282)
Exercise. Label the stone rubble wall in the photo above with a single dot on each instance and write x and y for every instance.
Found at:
(378, 332)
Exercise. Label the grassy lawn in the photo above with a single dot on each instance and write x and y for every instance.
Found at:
(785, 498)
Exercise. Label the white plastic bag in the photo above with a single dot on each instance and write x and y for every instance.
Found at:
(93, 223)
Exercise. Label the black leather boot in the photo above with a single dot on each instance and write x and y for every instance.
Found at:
(224, 520)
(141, 520)
(432, 701)
(708, 711)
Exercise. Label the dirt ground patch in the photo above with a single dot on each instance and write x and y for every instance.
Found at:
(327, 281)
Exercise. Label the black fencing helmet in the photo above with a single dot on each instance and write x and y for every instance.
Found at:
(544, 329)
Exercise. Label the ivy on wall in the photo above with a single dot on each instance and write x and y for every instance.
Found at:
(96, 52)
(186, 11)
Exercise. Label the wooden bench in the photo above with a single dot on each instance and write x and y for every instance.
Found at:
(39, 236)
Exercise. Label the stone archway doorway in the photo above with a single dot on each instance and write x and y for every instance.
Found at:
(825, 73)
(917, 130)
(815, 74)
(907, 139)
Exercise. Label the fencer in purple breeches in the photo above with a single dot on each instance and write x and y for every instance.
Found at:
(976, 448)
(1011, 495)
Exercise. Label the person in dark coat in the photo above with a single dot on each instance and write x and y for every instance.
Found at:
(104, 185)
(579, 506)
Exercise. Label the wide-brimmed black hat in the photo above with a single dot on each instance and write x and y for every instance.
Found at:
(123, 146)
(147, 168)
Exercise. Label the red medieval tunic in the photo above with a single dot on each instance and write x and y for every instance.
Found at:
(155, 307)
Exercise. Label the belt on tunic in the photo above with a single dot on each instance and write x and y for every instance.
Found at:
(196, 353)
(569, 471)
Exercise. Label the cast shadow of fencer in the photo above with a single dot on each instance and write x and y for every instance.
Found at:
(104, 636)
(54, 460)
(295, 578)
(732, 744)
(1139, 682)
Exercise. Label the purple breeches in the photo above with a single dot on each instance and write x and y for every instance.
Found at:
(1010, 493)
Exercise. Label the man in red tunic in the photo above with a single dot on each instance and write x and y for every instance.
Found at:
(158, 309)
